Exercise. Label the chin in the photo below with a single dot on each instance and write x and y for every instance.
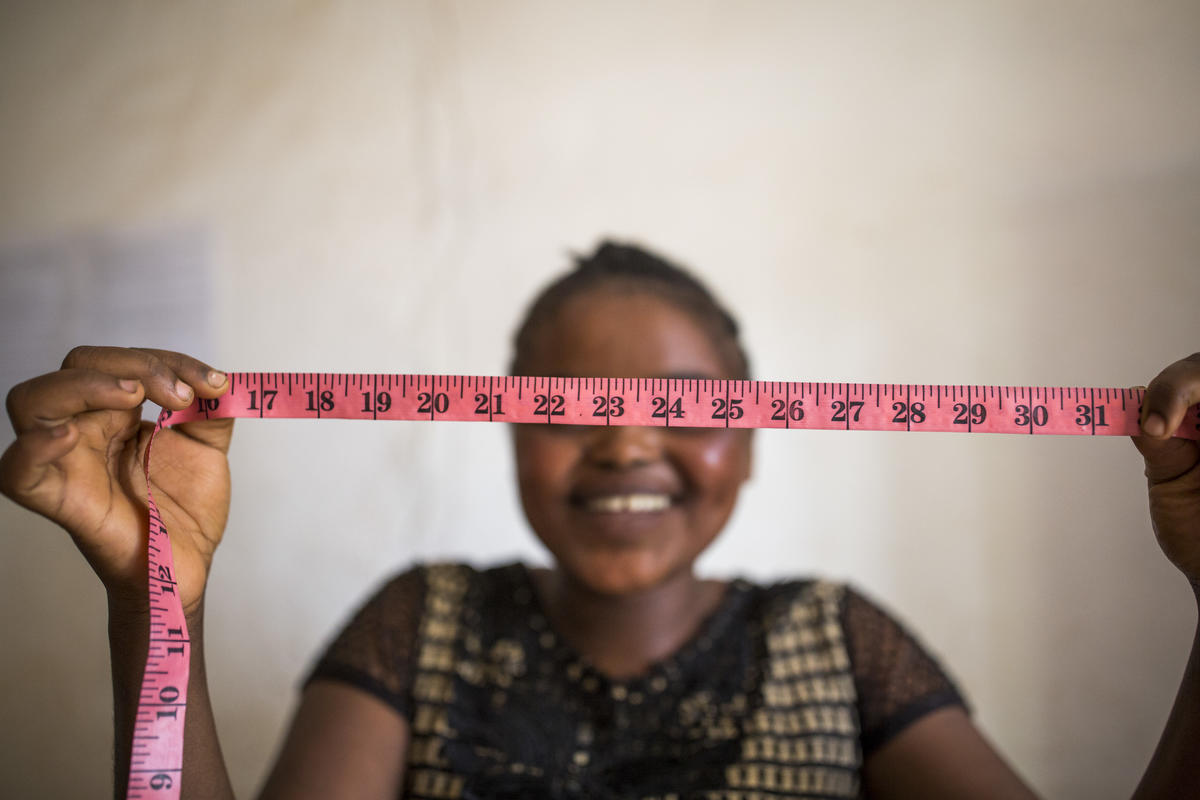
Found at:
(621, 572)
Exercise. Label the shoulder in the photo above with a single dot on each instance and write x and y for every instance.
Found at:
(444, 577)
(899, 679)
(431, 594)
(379, 647)
(802, 588)
(798, 601)
(871, 632)
(392, 614)
(798, 626)
(893, 678)
(807, 599)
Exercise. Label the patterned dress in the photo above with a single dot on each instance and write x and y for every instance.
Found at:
(781, 693)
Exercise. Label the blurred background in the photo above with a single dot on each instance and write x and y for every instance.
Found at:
(1000, 192)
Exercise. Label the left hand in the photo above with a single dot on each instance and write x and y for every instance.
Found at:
(1173, 465)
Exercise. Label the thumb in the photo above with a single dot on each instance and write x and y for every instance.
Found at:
(215, 433)
(1167, 459)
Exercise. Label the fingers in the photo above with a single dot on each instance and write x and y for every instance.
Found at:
(1167, 459)
(52, 400)
(170, 379)
(74, 423)
(27, 466)
(94, 378)
(1168, 397)
(1164, 407)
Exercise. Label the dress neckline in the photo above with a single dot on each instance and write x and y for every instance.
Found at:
(660, 674)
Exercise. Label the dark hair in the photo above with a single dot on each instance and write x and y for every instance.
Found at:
(631, 268)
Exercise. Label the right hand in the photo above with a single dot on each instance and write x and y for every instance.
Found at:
(78, 458)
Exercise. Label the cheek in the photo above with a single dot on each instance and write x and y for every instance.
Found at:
(544, 462)
(722, 462)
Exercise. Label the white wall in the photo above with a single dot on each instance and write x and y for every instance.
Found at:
(1001, 192)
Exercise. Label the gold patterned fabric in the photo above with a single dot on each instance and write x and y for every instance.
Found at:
(779, 694)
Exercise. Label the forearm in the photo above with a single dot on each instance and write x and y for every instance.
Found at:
(204, 774)
(1174, 770)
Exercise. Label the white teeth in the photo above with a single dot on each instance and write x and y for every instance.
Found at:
(636, 503)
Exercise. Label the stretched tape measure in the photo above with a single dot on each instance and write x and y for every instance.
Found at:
(157, 758)
(156, 755)
(681, 403)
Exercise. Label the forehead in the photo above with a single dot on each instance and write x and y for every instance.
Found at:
(625, 334)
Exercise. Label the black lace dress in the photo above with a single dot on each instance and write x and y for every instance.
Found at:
(781, 693)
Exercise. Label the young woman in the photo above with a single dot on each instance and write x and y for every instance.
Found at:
(618, 672)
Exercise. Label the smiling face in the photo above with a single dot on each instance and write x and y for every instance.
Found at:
(622, 508)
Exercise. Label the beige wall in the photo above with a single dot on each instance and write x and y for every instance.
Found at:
(995, 192)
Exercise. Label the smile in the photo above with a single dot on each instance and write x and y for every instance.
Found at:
(628, 503)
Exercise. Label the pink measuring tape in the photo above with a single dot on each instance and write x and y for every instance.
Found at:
(157, 755)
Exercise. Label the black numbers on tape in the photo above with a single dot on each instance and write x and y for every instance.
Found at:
(160, 782)
(268, 399)
(168, 695)
(608, 406)
(1078, 411)
(911, 413)
(794, 410)
(325, 401)
(1038, 415)
(841, 409)
(722, 410)
(975, 415)
(661, 409)
(175, 633)
(1087, 414)
(430, 402)
(485, 405)
(553, 405)
(167, 583)
(381, 402)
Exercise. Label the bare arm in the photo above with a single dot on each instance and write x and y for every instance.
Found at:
(343, 743)
(1175, 766)
(1173, 478)
(941, 756)
(204, 774)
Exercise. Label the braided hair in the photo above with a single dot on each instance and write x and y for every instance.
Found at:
(628, 268)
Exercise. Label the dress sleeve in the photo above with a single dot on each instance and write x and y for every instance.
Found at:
(376, 649)
(897, 681)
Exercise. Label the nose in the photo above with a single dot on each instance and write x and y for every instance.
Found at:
(624, 446)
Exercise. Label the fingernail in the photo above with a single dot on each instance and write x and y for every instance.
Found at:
(59, 431)
(1154, 425)
(183, 391)
(216, 378)
(128, 384)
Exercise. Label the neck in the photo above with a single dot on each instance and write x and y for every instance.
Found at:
(623, 635)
